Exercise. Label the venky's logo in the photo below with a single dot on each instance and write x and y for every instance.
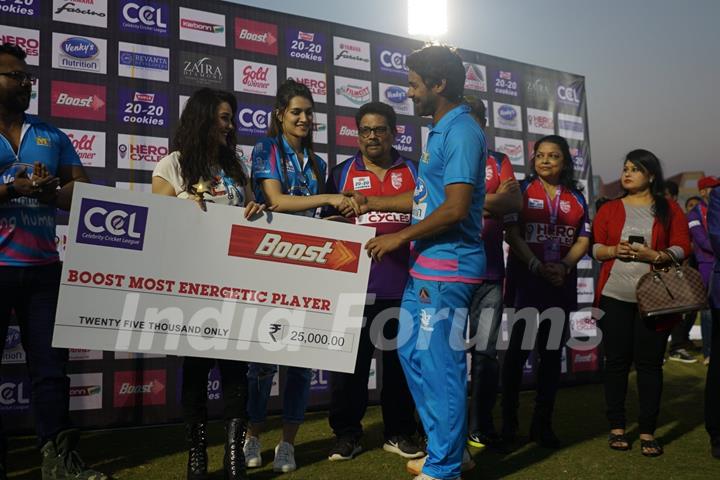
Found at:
(294, 249)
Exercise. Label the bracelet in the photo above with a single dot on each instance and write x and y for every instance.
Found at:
(11, 190)
(656, 260)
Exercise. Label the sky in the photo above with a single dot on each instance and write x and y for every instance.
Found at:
(652, 67)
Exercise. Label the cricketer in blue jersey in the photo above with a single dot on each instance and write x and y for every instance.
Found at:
(447, 256)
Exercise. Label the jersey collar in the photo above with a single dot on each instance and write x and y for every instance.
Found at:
(448, 118)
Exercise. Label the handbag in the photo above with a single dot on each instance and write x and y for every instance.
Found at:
(671, 290)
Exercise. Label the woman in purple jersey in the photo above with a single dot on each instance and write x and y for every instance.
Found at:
(547, 240)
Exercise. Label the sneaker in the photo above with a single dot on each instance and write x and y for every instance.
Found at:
(345, 448)
(414, 467)
(404, 446)
(60, 461)
(284, 458)
(482, 440)
(681, 355)
(251, 449)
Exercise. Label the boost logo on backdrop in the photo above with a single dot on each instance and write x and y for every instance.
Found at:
(255, 36)
(202, 27)
(147, 387)
(111, 224)
(294, 249)
(144, 17)
(77, 100)
(346, 133)
(203, 70)
(257, 78)
(28, 40)
(90, 146)
(305, 45)
(137, 107)
(87, 12)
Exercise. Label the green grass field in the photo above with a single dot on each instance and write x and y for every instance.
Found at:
(157, 453)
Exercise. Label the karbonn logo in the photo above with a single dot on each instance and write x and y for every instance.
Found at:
(112, 224)
(294, 249)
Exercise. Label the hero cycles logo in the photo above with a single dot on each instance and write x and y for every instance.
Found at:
(294, 249)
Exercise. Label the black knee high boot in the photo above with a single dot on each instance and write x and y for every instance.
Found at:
(234, 461)
(196, 434)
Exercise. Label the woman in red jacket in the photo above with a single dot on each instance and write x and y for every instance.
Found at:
(631, 234)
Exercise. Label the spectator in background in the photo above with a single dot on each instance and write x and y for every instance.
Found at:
(502, 196)
(631, 234)
(691, 202)
(547, 239)
(39, 169)
(702, 250)
(712, 390)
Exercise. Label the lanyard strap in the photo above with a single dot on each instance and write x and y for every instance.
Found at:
(553, 205)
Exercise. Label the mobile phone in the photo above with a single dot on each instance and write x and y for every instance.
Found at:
(636, 239)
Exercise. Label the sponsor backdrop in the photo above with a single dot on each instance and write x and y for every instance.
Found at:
(114, 76)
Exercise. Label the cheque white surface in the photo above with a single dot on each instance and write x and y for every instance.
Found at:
(153, 274)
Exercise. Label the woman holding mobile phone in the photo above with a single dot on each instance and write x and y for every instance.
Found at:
(631, 234)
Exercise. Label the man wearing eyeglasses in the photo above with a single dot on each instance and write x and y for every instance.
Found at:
(376, 169)
(38, 167)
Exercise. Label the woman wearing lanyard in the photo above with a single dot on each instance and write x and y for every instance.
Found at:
(633, 233)
(205, 168)
(289, 176)
(547, 239)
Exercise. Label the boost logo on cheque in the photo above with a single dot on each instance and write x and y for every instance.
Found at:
(294, 248)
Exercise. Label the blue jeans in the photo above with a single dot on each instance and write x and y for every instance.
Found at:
(431, 345)
(706, 331)
(33, 293)
(295, 395)
(485, 317)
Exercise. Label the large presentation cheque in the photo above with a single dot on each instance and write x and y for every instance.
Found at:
(152, 274)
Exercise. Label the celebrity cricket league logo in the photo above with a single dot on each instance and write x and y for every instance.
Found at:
(294, 249)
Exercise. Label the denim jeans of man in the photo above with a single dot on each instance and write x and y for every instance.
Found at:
(32, 292)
